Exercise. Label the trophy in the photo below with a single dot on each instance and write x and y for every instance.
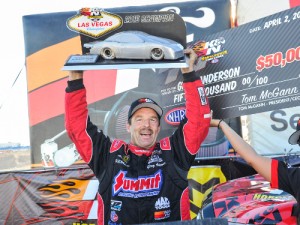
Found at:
(127, 40)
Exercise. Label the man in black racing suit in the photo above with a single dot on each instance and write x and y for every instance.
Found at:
(144, 181)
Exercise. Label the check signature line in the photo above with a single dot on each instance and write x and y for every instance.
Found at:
(269, 99)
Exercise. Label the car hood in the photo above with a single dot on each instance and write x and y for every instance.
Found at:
(251, 200)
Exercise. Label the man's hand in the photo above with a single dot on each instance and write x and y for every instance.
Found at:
(75, 75)
(192, 57)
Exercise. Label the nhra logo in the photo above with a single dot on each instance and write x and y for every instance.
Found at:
(139, 187)
(174, 116)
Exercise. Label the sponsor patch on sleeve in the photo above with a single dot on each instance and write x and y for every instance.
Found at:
(202, 95)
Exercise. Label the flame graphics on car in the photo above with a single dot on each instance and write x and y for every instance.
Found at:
(66, 190)
(72, 198)
(76, 210)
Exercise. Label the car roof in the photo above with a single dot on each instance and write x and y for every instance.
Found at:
(138, 36)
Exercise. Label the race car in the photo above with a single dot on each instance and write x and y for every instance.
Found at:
(136, 45)
(249, 200)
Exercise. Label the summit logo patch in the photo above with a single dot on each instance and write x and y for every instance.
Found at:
(137, 187)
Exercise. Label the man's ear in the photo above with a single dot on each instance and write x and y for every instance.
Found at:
(128, 127)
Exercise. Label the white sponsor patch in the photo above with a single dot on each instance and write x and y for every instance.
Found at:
(162, 203)
(207, 115)
(202, 95)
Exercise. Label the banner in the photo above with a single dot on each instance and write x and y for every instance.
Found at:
(66, 196)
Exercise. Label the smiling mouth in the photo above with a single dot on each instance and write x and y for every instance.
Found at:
(146, 133)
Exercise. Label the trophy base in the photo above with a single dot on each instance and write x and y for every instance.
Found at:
(95, 62)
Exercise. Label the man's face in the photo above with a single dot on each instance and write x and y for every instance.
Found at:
(144, 128)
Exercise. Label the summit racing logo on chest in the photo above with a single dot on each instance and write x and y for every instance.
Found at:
(143, 186)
